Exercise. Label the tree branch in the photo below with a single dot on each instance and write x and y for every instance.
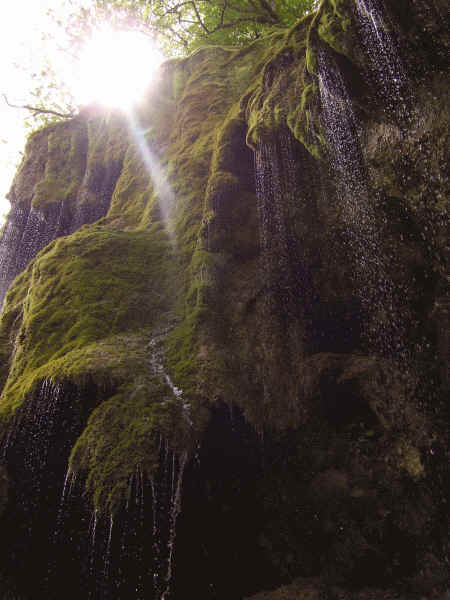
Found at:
(199, 19)
(36, 110)
(267, 8)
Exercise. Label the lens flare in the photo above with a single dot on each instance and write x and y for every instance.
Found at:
(116, 68)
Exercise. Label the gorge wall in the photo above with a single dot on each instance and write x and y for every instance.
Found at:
(223, 343)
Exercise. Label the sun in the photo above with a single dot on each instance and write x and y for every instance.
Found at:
(116, 68)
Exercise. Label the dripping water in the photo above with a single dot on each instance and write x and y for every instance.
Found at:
(156, 360)
(107, 562)
(385, 64)
(384, 325)
(155, 533)
(92, 536)
(33, 427)
(140, 504)
(273, 234)
(146, 530)
(273, 241)
(158, 367)
(67, 489)
(280, 199)
(175, 508)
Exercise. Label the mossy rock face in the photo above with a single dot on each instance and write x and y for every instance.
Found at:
(286, 76)
(124, 435)
(334, 22)
(66, 162)
(81, 291)
(91, 304)
(219, 306)
(87, 307)
(66, 179)
(32, 169)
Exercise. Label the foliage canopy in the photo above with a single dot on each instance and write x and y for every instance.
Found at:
(177, 26)
(183, 25)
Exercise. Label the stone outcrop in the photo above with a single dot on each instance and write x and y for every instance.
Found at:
(66, 180)
(223, 360)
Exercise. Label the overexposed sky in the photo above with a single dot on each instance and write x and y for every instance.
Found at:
(109, 70)
(21, 53)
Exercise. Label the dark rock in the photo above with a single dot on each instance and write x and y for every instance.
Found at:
(223, 361)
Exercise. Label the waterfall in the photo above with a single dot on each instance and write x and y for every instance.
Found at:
(108, 549)
(92, 536)
(175, 508)
(166, 493)
(282, 194)
(276, 192)
(155, 533)
(275, 186)
(68, 487)
(384, 63)
(131, 552)
(33, 426)
(156, 348)
(9, 246)
(283, 199)
(384, 329)
(274, 252)
(27, 230)
(36, 449)
(156, 358)
(143, 561)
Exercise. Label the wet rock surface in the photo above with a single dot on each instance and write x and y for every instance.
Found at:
(232, 383)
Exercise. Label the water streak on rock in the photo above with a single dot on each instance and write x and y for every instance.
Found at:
(384, 329)
(384, 63)
(175, 508)
(92, 532)
(156, 358)
(278, 192)
(107, 562)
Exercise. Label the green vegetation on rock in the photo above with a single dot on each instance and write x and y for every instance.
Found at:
(177, 259)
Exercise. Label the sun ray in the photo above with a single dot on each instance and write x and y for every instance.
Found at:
(116, 68)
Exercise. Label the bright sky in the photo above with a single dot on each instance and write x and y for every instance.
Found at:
(108, 60)
(21, 28)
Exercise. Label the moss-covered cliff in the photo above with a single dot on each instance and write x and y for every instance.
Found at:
(236, 337)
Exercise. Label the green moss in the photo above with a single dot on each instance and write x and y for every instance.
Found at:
(86, 309)
(124, 434)
(287, 75)
(183, 350)
(310, 60)
(59, 147)
(81, 291)
(90, 304)
(61, 157)
(333, 24)
(133, 192)
(65, 164)
(208, 86)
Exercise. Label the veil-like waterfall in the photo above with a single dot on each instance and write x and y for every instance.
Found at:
(255, 411)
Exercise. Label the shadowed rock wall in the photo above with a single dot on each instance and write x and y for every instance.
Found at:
(235, 379)
(66, 180)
